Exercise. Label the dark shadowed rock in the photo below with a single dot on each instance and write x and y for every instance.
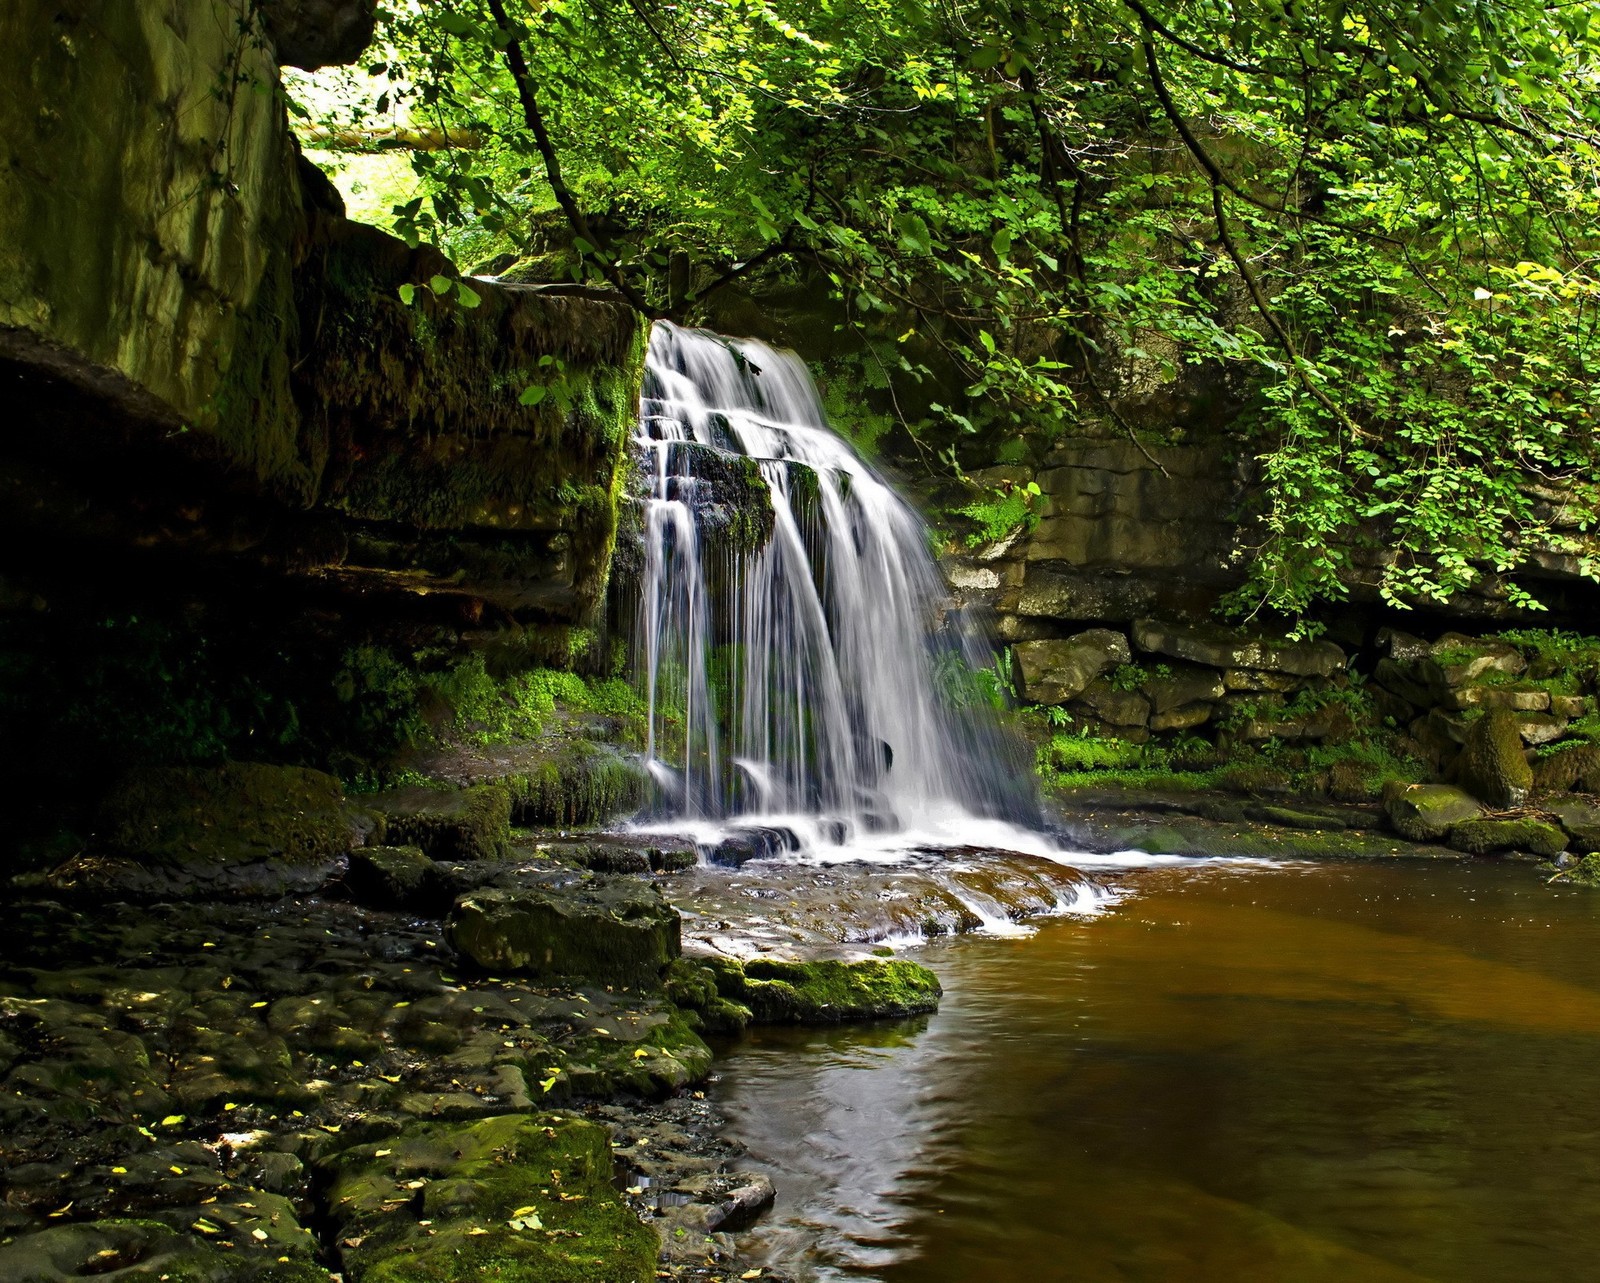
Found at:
(319, 33)
(613, 929)
(1221, 648)
(391, 877)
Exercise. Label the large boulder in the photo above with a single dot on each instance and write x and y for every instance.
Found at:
(1221, 648)
(1054, 672)
(1580, 820)
(1427, 812)
(391, 877)
(1113, 706)
(1492, 765)
(618, 930)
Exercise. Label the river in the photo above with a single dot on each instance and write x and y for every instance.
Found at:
(1375, 1071)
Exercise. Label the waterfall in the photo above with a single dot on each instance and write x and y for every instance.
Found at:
(818, 679)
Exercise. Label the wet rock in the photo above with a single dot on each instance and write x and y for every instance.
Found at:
(608, 929)
(742, 1207)
(693, 986)
(827, 991)
(1485, 837)
(514, 1197)
(1492, 765)
(1054, 672)
(1220, 648)
(1427, 812)
(237, 831)
(390, 877)
(448, 824)
(740, 848)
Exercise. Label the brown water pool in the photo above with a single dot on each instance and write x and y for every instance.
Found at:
(1314, 1072)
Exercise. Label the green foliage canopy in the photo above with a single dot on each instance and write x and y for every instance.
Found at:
(1371, 223)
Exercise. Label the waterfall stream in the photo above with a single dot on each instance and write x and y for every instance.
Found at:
(816, 686)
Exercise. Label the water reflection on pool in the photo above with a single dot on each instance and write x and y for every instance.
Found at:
(1348, 1071)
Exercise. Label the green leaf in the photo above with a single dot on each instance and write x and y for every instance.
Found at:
(440, 284)
(465, 296)
(407, 294)
(533, 394)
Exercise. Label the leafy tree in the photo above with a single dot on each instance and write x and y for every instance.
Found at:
(1372, 222)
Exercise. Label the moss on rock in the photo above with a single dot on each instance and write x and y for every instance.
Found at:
(1426, 812)
(1570, 767)
(1484, 837)
(507, 1199)
(827, 991)
(1492, 765)
(448, 824)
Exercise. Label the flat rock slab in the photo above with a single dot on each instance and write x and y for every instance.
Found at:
(1220, 648)
(608, 928)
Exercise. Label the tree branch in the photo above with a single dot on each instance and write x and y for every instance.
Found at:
(527, 95)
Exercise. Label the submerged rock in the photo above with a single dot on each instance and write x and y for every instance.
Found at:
(612, 929)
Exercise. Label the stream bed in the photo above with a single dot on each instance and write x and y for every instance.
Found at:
(1373, 1071)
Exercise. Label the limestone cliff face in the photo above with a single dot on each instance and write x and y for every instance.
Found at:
(147, 200)
(207, 361)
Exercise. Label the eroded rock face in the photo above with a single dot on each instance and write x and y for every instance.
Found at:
(319, 33)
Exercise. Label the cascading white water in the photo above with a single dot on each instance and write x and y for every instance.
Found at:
(808, 682)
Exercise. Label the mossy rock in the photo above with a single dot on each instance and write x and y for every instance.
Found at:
(1573, 767)
(390, 877)
(448, 824)
(582, 785)
(574, 926)
(509, 1199)
(243, 829)
(1492, 765)
(827, 991)
(139, 1251)
(1485, 837)
(1427, 812)
(1585, 873)
(667, 1056)
(693, 986)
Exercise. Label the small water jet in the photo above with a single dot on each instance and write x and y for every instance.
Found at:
(817, 683)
